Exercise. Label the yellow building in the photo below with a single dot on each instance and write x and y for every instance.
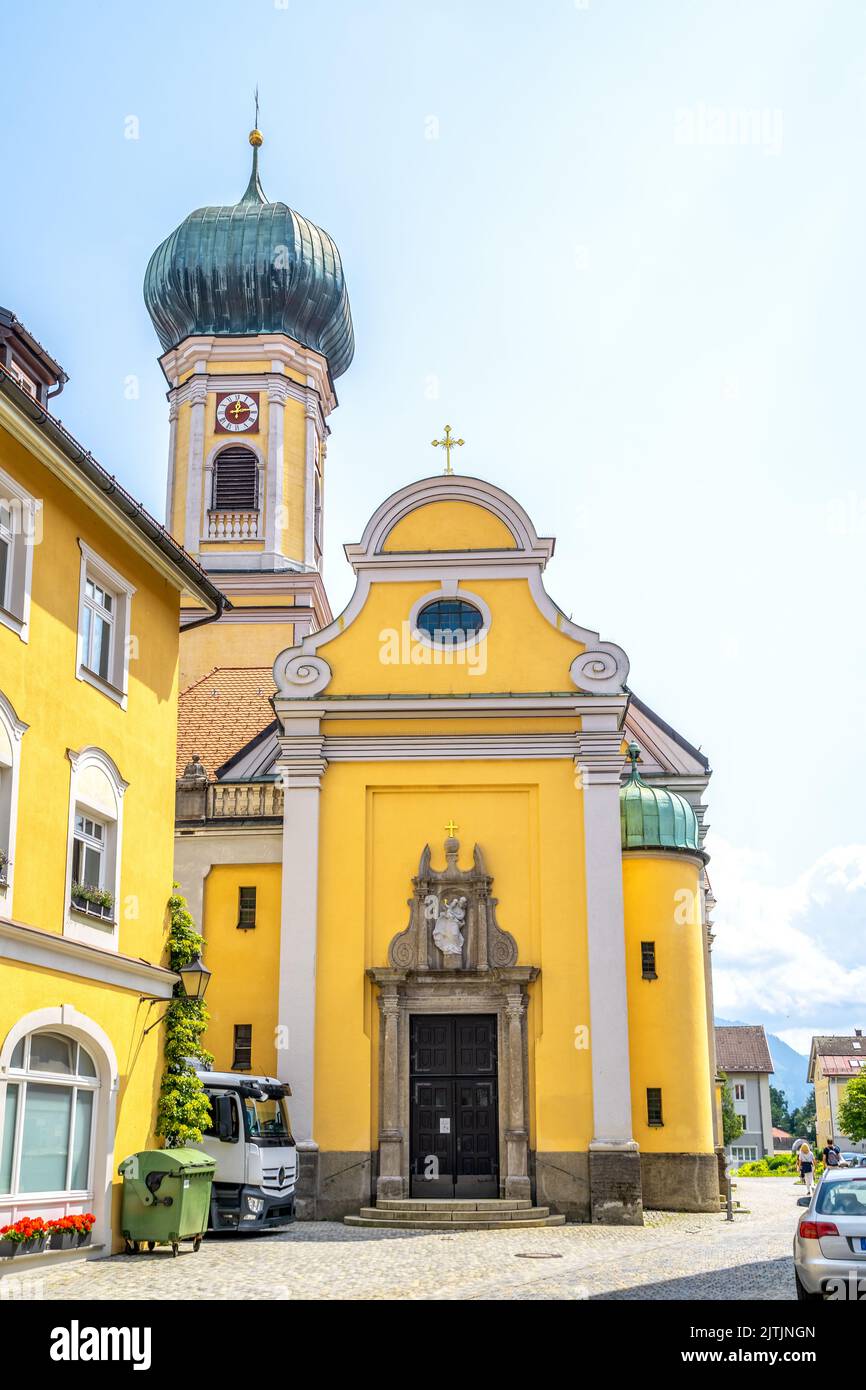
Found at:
(90, 595)
(832, 1063)
(311, 801)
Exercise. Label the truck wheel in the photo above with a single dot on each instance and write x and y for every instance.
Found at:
(151, 1245)
(174, 1249)
(129, 1246)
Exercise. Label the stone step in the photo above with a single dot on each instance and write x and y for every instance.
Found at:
(385, 1222)
(424, 1217)
(454, 1204)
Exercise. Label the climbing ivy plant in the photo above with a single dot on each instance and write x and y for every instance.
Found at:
(184, 1109)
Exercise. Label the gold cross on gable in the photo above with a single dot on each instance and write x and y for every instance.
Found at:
(447, 444)
(451, 827)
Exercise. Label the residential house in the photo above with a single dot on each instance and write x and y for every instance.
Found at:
(832, 1063)
(743, 1055)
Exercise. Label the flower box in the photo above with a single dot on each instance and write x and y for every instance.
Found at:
(102, 911)
(69, 1240)
(10, 1248)
(31, 1235)
(26, 1237)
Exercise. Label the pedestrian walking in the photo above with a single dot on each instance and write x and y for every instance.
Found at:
(806, 1164)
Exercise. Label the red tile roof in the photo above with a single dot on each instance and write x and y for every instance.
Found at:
(221, 713)
(842, 1066)
(743, 1048)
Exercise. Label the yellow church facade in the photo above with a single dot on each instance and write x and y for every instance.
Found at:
(474, 984)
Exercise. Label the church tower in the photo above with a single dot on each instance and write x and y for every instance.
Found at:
(250, 306)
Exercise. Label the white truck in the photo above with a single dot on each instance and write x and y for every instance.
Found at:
(250, 1138)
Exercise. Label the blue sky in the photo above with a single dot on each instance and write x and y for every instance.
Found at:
(618, 245)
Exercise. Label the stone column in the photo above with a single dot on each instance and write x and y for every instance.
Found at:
(517, 1182)
(301, 766)
(195, 465)
(310, 413)
(390, 1181)
(274, 464)
(614, 1159)
(172, 461)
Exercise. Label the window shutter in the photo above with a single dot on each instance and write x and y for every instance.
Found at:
(236, 481)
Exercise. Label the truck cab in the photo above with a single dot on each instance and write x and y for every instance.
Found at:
(250, 1138)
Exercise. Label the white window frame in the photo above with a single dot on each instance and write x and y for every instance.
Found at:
(64, 1018)
(24, 536)
(15, 729)
(739, 1086)
(23, 1077)
(99, 572)
(23, 379)
(744, 1153)
(90, 929)
(91, 841)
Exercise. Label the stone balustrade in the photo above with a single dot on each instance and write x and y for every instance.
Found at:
(232, 526)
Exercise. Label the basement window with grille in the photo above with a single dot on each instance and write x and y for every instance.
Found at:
(654, 1106)
(235, 481)
(648, 960)
(242, 1058)
(246, 909)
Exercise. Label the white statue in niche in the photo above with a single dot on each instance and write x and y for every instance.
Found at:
(450, 918)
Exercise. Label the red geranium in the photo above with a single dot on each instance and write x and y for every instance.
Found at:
(31, 1228)
(81, 1223)
(28, 1228)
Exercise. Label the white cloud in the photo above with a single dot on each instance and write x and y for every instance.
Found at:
(791, 957)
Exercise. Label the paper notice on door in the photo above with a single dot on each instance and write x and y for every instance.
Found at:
(445, 1126)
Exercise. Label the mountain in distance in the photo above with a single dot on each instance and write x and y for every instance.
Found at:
(790, 1067)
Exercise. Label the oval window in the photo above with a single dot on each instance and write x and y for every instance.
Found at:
(450, 620)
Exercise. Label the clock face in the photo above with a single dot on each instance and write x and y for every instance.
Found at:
(237, 412)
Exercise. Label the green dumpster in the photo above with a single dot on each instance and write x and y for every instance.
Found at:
(166, 1197)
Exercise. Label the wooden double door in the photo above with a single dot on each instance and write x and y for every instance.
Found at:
(454, 1120)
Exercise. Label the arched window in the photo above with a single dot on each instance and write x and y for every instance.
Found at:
(95, 848)
(235, 480)
(449, 620)
(46, 1141)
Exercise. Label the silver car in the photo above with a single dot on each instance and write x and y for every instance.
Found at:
(830, 1240)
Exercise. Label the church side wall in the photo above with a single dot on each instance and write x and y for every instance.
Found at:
(668, 1030)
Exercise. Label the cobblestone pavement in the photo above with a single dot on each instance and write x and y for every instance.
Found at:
(672, 1256)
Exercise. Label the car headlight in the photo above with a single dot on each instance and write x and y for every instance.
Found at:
(255, 1204)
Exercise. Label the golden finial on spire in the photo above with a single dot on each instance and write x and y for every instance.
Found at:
(256, 137)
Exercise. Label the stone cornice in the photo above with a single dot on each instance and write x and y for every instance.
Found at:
(600, 759)
(50, 951)
(277, 349)
(375, 706)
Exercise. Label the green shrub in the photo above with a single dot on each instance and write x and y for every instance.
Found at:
(184, 1109)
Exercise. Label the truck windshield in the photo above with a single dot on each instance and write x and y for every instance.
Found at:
(266, 1119)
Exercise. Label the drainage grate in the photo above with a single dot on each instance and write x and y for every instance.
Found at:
(542, 1255)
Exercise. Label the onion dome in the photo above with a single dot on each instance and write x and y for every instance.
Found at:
(654, 817)
(254, 267)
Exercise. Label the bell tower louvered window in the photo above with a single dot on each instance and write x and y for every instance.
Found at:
(236, 481)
